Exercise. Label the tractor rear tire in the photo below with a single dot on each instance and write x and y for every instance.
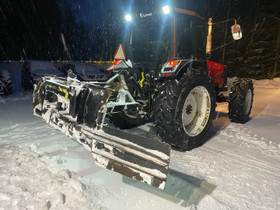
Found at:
(241, 100)
(184, 109)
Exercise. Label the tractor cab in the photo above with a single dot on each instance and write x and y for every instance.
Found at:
(163, 34)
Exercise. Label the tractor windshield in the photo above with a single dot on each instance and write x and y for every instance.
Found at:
(150, 40)
(156, 39)
(190, 38)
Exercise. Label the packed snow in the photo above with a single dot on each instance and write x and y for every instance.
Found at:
(27, 183)
(237, 168)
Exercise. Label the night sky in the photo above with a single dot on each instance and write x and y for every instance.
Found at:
(91, 12)
(92, 29)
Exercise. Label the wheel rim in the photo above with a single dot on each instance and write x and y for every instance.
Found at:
(196, 111)
(248, 101)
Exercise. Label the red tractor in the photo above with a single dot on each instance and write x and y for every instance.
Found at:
(188, 85)
(167, 80)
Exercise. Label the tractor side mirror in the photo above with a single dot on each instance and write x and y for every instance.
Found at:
(236, 32)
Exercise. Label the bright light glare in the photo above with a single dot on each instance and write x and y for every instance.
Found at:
(128, 18)
(166, 10)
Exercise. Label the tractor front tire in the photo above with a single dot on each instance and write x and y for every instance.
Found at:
(241, 100)
(126, 120)
(184, 109)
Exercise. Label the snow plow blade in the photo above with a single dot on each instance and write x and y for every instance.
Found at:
(138, 157)
(78, 110)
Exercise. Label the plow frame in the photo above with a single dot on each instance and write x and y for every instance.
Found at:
(78, 109)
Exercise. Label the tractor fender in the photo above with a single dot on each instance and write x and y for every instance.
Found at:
(186, 65)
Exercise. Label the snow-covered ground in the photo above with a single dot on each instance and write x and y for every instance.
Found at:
(237, 168)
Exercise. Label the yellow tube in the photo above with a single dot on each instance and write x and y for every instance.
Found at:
(142, 80)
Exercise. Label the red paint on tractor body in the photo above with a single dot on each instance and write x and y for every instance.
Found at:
(217, 72)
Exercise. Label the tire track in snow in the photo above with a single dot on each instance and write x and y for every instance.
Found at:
(250, 162)
(252, 143)
(243, 166)
(225, 142)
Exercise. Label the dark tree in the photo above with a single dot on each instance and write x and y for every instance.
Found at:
(29, 30)
(257, 54)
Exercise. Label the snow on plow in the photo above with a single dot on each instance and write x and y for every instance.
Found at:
(78, 109)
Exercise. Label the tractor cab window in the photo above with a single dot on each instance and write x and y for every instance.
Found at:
(154, 39)
(184, 36)
(150, 41)
(190, 37)
(200, 39)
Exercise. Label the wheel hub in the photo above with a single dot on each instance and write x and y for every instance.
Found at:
(189, 109)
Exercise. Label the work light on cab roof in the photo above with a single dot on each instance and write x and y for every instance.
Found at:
(166, 9)
(128, 17)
